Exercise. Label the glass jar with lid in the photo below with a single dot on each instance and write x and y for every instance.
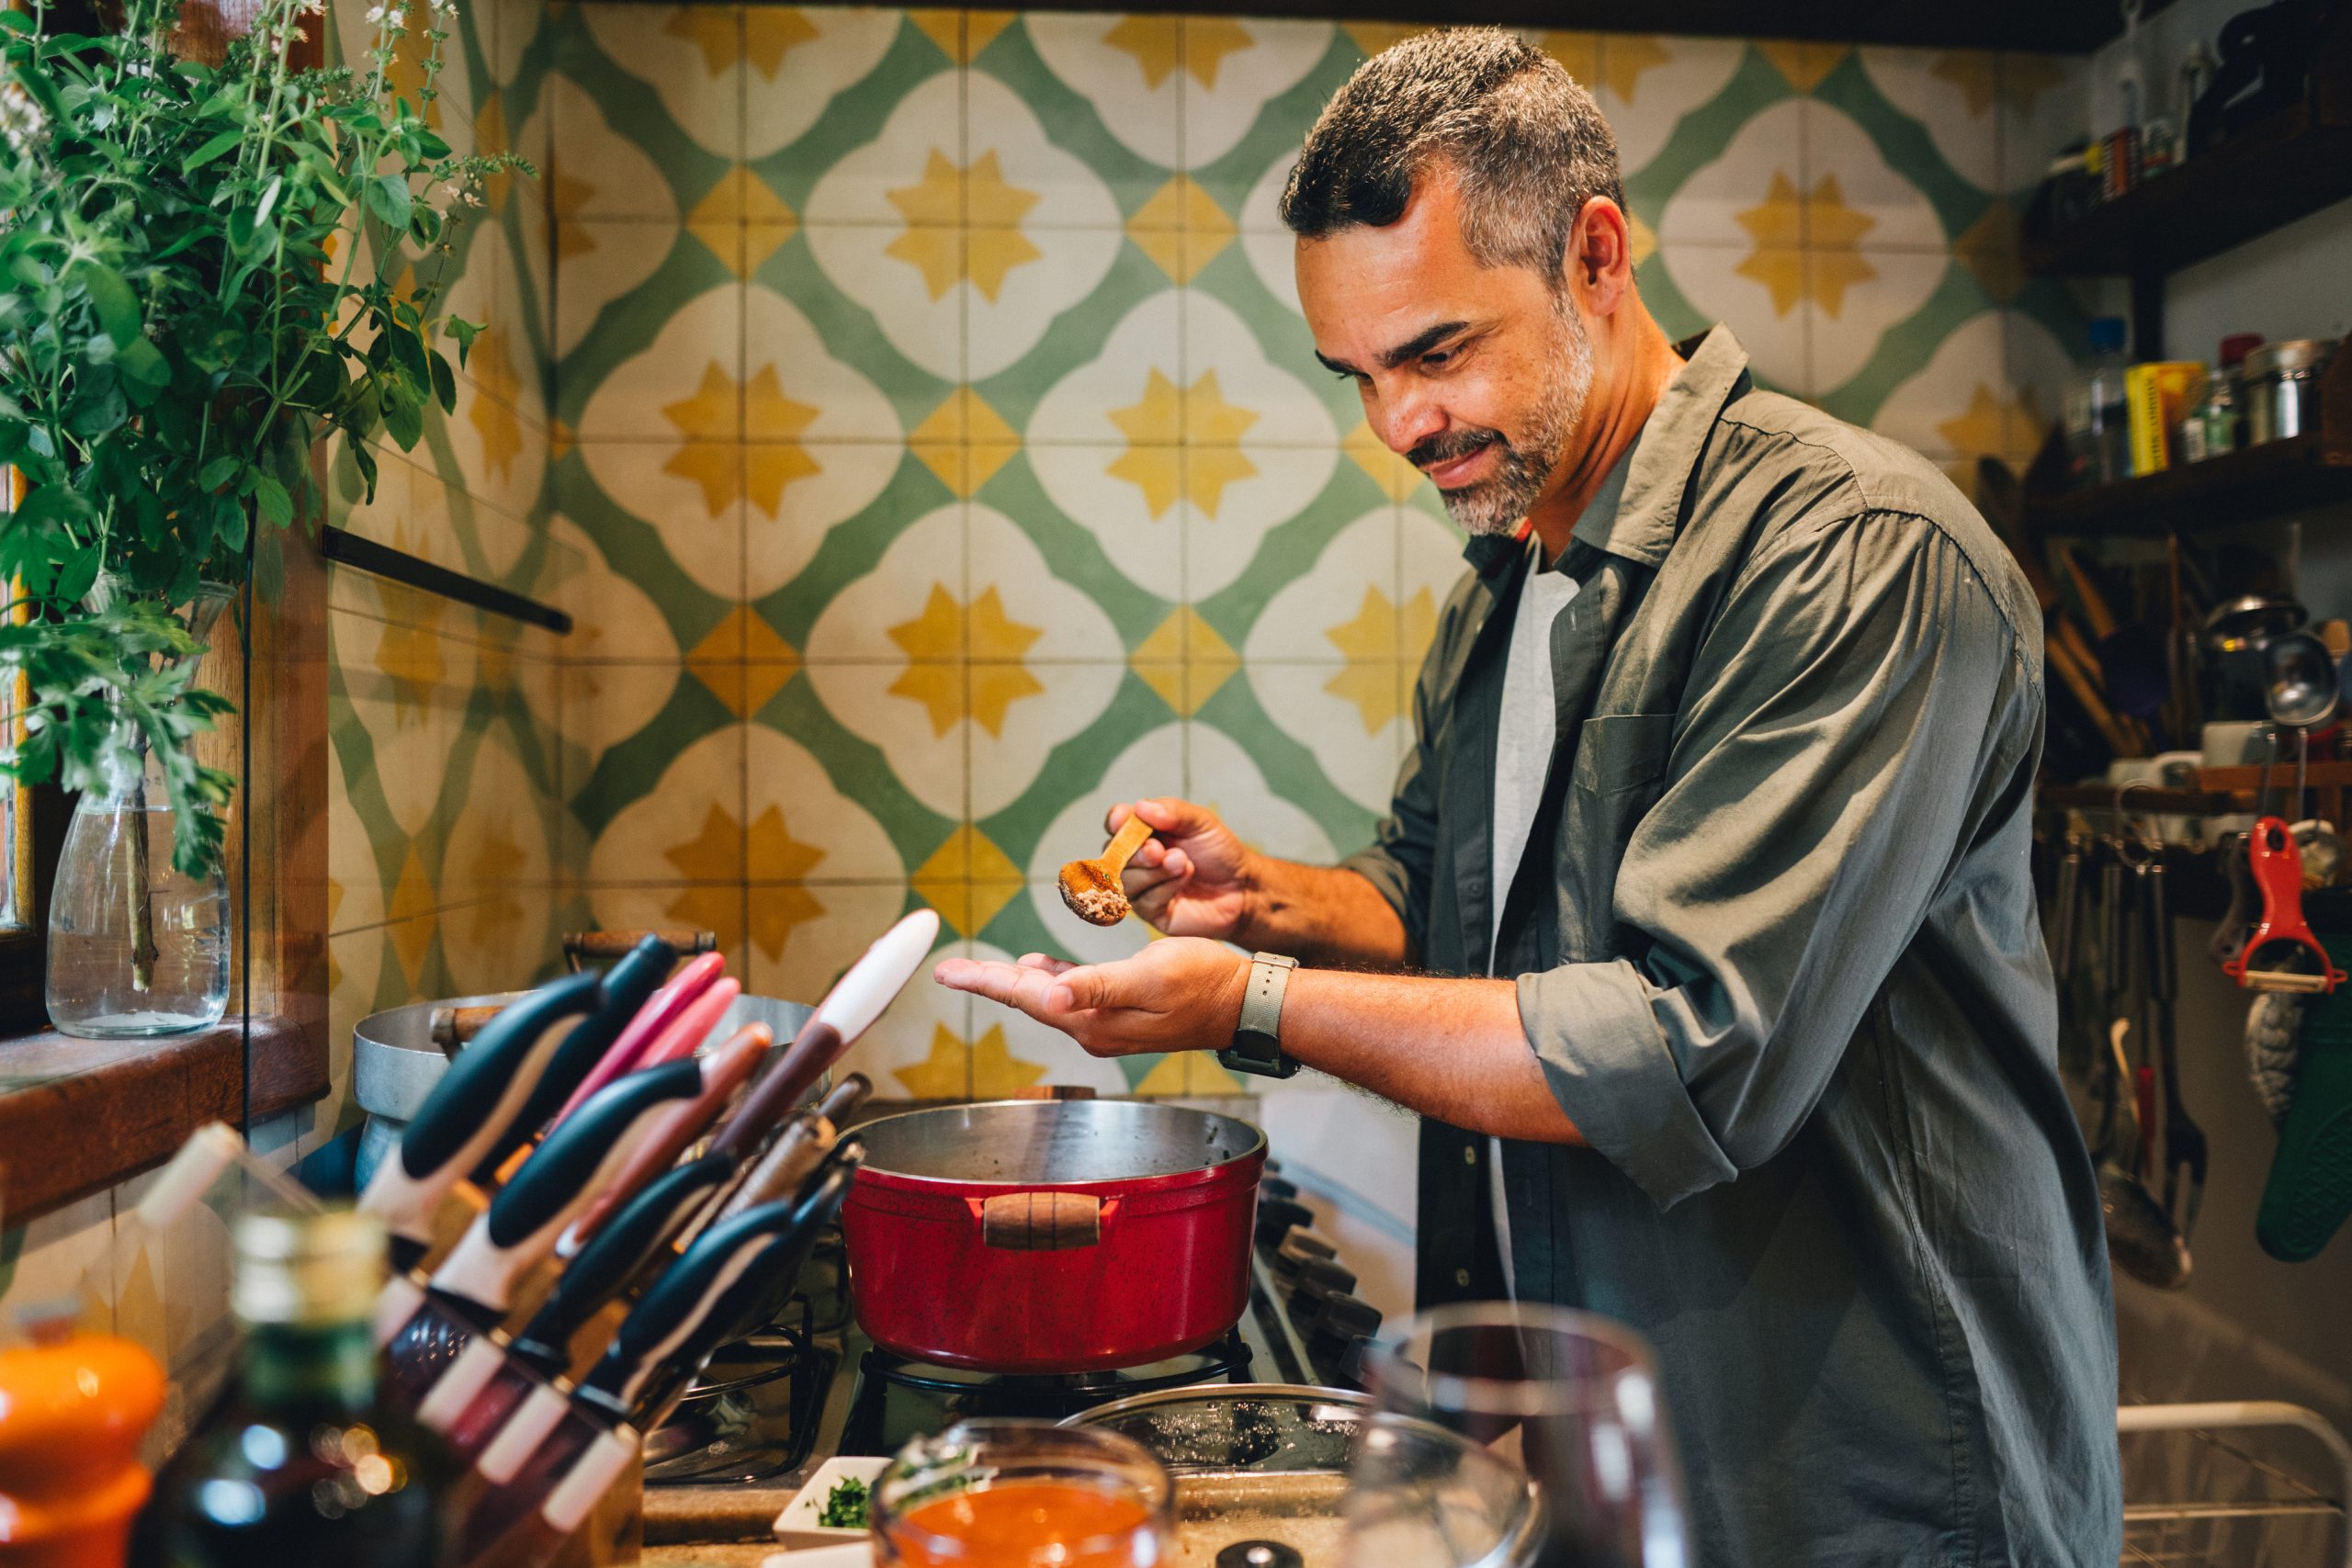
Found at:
(2282, 382)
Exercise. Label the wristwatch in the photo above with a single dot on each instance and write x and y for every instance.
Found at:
(1257, 1044)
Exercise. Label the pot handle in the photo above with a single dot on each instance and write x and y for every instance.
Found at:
(1042, 1222)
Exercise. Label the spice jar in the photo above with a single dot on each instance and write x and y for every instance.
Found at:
(2282, 388)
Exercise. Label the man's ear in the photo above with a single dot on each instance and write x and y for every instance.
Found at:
(1598, 266)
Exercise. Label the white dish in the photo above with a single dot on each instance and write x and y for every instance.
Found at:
(797, 1525)
(856, 1554)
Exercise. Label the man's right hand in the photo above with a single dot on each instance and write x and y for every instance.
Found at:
(1193, 877)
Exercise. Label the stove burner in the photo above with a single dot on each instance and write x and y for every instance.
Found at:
(1068, 1393)
(753, 1414)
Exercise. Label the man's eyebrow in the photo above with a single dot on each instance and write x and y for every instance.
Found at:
(1412, 349)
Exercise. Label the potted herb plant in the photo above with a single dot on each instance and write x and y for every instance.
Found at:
(210, 270)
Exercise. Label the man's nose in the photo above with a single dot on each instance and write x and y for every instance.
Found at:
(1406, 420)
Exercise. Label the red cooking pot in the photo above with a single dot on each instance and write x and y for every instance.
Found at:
(1052, 1236)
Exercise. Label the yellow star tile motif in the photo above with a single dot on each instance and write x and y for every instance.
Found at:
(491, 366)
(716, 31)
(712, 413)
(1158, 418)
(960, 35)
(1182, 229)
(1153, 41)
(710, 908)
(1623, 59)
(770, 33)
(568, 197)
(497, 861)
(715, 853)
(1395, 476)
(1166, 1077)
(1804, 65)
(743, 222)
(715, 468)
(1207, 41)
(1184, 661)
(1988, 249)
(967, 879)
(948, 198)
(945, 1074)
(1208, 470)
(1970, 70)
(1374, 643)
(1782, 221)
(1209, 420)
(1982, 427)
(409, 915)
(1578, 53)
(779, 911)
(561, 438)
(935, 640)
(773, 855)
(1642, 237)
(2025, 77)
(997, 1073)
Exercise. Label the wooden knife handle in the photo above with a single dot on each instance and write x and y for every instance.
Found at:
(452, 1026)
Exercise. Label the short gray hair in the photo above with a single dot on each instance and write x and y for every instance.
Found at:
(1528, 145)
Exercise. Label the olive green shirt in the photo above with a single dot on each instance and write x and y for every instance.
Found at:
(1776, 951)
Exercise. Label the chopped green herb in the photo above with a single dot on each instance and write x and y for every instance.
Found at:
(845, 1506)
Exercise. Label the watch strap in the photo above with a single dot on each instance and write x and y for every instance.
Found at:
(1257, 1041)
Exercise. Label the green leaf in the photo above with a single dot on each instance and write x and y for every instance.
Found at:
(210, 150)
(78, 571)
(404, 420)
(12, 438)
(117, 306)
(16, 22)
(444, 385)
(216, 473)
(277, 506)
(144, 363)
(389, 200)
(465, 332)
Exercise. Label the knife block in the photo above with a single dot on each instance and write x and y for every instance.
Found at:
(614, 1533)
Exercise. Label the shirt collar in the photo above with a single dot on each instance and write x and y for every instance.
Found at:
(1638, 508)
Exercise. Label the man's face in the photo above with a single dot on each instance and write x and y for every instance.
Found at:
(1475, 375)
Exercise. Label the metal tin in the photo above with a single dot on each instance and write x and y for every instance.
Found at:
(2281, 381)
(1052, 1236)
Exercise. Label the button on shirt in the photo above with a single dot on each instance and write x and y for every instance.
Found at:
(1775, 947)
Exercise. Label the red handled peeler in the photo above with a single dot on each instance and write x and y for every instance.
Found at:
(2278, 873)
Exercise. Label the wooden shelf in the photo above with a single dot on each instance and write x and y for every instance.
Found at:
(2246, 486)
(2265, 177)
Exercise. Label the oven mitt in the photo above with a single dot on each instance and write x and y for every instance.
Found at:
(2310, 1190)
(2274, 1026)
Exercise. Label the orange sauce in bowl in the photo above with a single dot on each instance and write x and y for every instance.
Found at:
(1016, 1524)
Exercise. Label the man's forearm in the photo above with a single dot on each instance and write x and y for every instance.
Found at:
(1452, 1049)
(1321, 914)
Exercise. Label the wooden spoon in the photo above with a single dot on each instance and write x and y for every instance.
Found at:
(1091, 887)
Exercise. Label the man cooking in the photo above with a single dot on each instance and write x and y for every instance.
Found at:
(1723, 771)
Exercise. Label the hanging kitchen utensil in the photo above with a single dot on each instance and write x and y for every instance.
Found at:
(2279, 874)
(2141, 1238)
(2236, 924)
(473, 1110)
(2064, 927)
(2185, 1151)
(2309, 1190)
(2299, 688)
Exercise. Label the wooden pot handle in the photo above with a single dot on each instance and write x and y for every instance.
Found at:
(606, 947)
(1041, 1221)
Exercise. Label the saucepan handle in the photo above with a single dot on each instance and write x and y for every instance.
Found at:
(1042, 1222)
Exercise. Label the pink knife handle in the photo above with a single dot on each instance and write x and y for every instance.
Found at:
(694, 1025)
(660, 1012)
(724, 1071)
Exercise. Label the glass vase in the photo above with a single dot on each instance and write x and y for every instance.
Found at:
(136, 946)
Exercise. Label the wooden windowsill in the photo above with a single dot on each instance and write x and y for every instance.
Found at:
(77, 1116)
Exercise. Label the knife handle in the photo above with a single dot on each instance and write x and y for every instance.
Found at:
(628, 984)
(480, 1096)
(724, 1071)
(561, 1175)
(613, 1256)
(780, 1088)
(658, 1014)
(678, 1322)
(790, 1160)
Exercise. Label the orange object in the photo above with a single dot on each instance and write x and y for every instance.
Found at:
(1016, 1524)
(72, 1409)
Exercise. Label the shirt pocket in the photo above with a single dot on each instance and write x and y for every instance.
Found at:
(1622, 753)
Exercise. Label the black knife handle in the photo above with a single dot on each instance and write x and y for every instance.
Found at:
(562, 1171)
(620, 1247)
(627, 985)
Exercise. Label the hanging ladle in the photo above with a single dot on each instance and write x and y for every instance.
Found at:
(2299, 688)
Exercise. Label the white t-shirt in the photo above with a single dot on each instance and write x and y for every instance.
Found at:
(1524, 741)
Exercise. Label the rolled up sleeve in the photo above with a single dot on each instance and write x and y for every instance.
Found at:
(1841, 730)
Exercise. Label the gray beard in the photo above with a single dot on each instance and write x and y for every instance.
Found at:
(1497, 505)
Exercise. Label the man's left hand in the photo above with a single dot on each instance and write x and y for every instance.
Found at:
(1177, 994)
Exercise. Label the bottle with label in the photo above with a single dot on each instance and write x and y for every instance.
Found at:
(2219, 423)
(2098, 429)
(300, 1464)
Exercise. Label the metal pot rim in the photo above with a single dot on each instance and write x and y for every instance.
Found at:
(875, 1171)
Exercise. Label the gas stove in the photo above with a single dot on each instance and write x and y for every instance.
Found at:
(772, 1409)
